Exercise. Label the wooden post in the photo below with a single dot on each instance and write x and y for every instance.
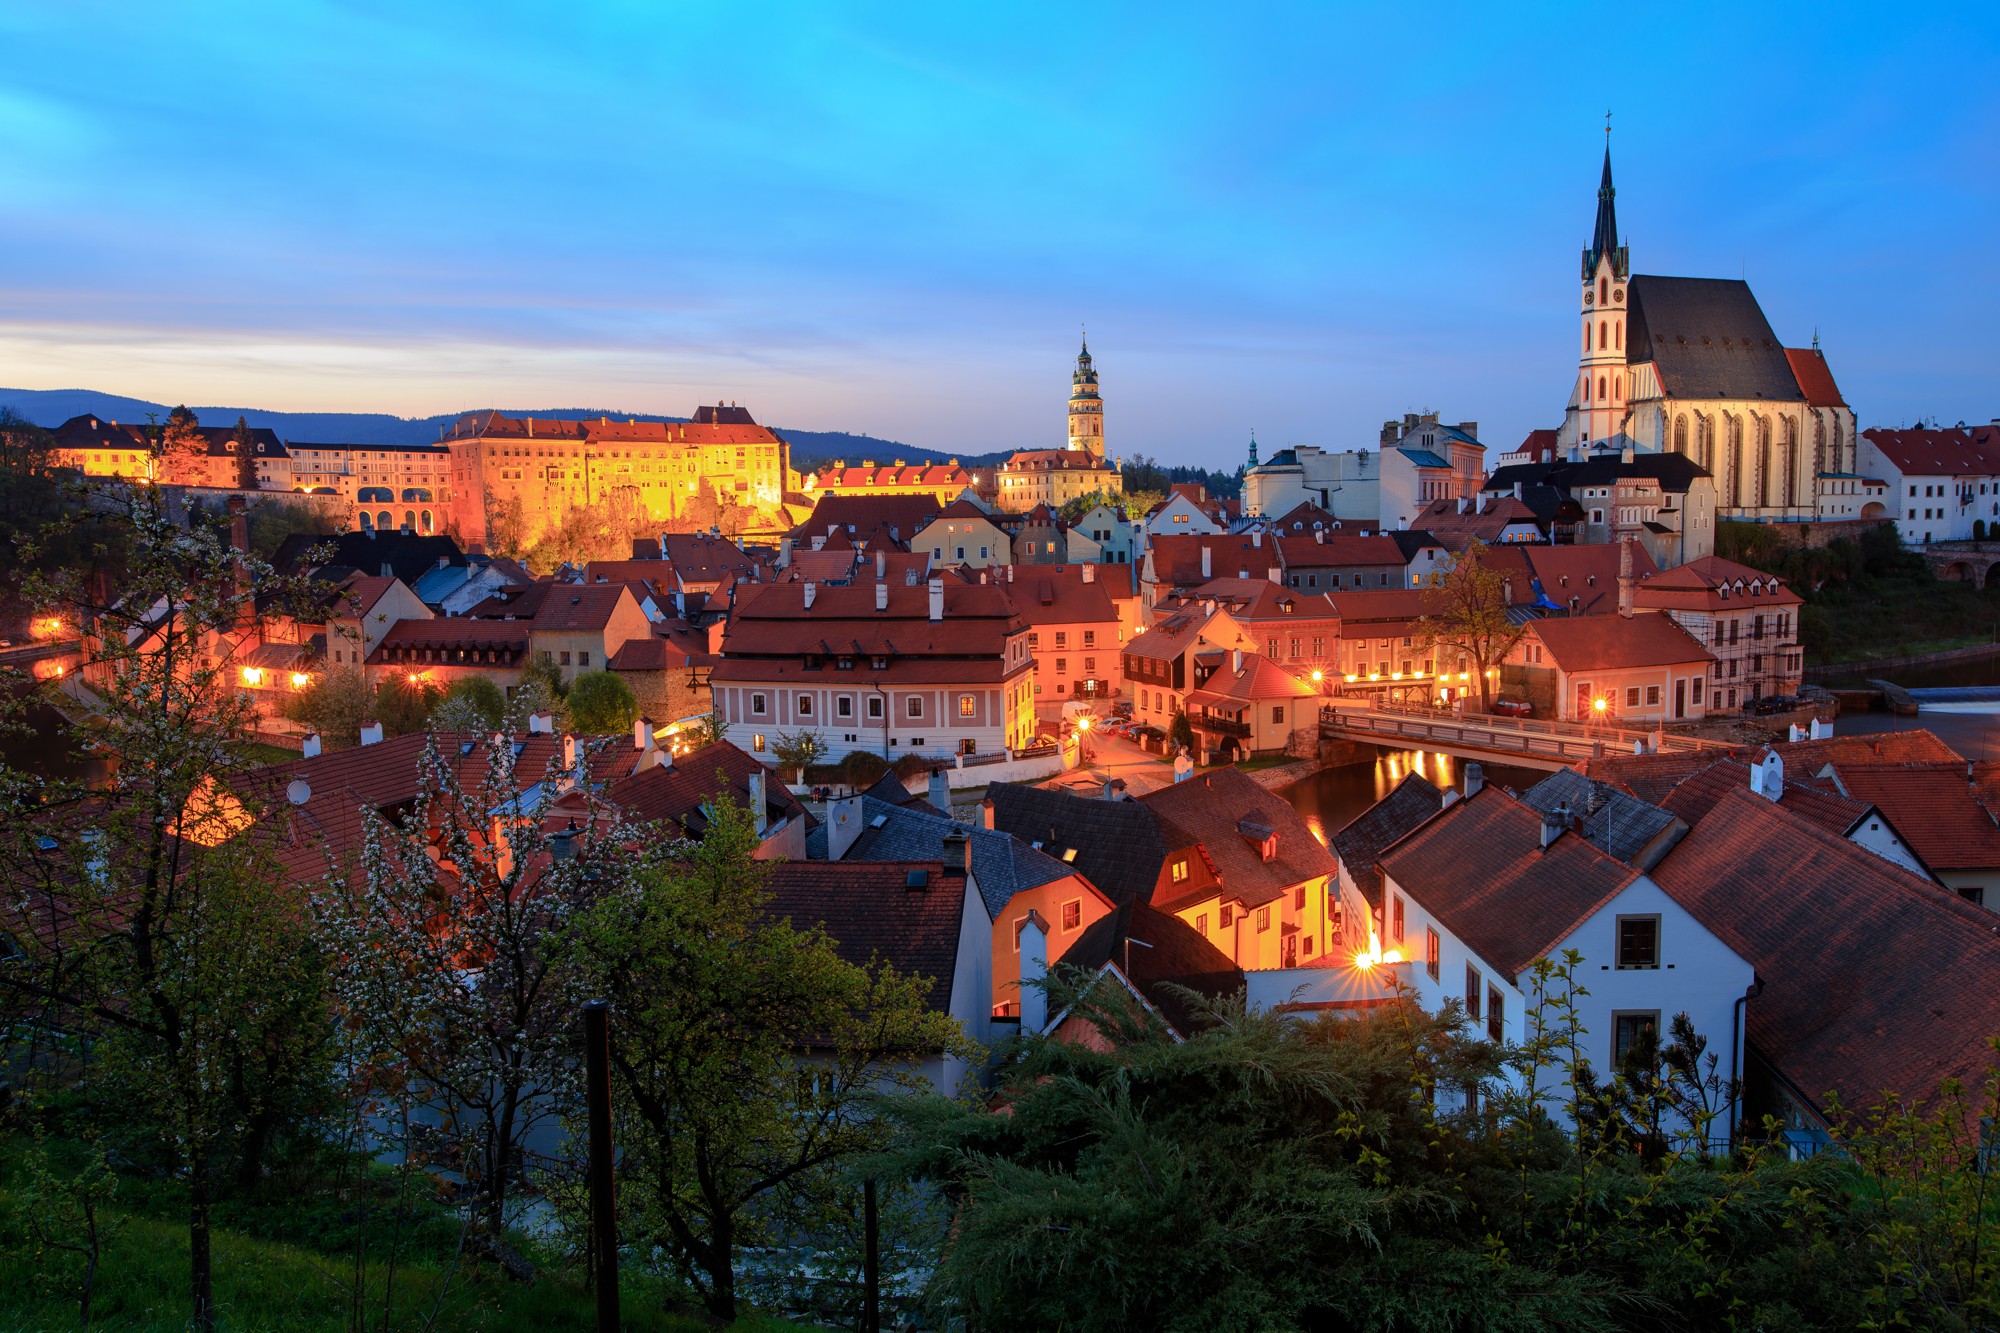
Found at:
(871, 1263)
(603, 1205)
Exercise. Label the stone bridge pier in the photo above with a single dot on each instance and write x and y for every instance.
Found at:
(1963, 562)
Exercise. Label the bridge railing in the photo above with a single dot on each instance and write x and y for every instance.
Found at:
(1561, 740)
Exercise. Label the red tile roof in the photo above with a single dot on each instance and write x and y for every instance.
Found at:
(1260, 680)
(1613, 643)
(871, 912)
(1176, 557)
(1481, 869)
(1698, 584)
(1255, 600)
(775, 622)
(1304, 551)
(1211, 807)
(1588, 573)
(1950, 452)
(933, 475)
(1058, 595)
(1934, 807)
(675, 794)
(449, 634)
(1874, 979)
(1696, 794)
(1815, 379)
(588, 608)
(629, 571)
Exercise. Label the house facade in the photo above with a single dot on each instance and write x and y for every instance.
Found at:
(889, 668)
(1748, 621)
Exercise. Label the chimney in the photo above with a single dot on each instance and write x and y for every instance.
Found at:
(937, 598)
(311, 747)
(1767, 776)
(1257, 540)
(1207, 562)
(542, 722)
(1236, 661)
(1554, 822)
(958, 851)
(1475, 779)
(1034, 941)
(1463, 503)
(1274, 574)
(881, 597)
(812, 591)
(881, 563)
(239, 524)
(1090, 573)
(1517, 490)
(371, 732)
(1548, 455)
(986, 813)
(1319, 536)
(1820, 731)
(642, 733)
(937, 790)
(1625, 454)
(1795, 733)
(1010, 572)
(1625, 580)
(844, 823)
(760, 817)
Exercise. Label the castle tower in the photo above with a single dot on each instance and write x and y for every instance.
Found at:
(1086, 409)
(1599, 404)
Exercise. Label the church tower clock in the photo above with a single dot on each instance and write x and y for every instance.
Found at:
(1086, 409)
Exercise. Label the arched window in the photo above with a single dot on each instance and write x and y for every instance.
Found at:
(1819, 446)
(1603, 334)
(385, 520)
(1617, 388)
(1586, 335)
(1602, 392)
(424, 521)
(1762, 461)
(367, 521)
(1586, 389)
(1603, 292)
(1841, 461)
(1618, 336)
(1704, 442)
(1787, 460)
(1733, 461)
(1681, 434)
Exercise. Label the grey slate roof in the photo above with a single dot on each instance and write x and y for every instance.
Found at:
(1412, 801)
(1674, 472)
(1423, 457)
(1613, 821)
(1002, 865)
(1119, 845)
(1709, 339)
(1173, 955)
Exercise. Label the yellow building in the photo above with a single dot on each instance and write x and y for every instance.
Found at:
(527, 470)
(943, 482)
(1053, 477)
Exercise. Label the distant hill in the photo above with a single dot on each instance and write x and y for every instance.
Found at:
(52, 407)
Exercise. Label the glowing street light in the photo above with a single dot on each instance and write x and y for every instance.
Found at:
(1599, 704)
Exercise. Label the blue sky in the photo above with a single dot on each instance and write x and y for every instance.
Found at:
(893, 219)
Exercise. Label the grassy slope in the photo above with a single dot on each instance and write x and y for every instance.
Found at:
(286, 1285)
(1896, 615)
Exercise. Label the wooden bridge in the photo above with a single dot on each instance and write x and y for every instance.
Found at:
(1528, 742)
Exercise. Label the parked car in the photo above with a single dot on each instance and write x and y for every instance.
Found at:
(1513, 708)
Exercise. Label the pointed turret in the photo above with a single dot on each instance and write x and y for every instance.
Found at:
(1086, 409)
(1604, 238)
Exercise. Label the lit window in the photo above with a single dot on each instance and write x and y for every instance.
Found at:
(1431, 951)
(757, 741)
(966, 705)
(1396, 919)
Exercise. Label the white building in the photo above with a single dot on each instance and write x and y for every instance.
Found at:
(1420, 460)
(1939, 482)
(1476, 895)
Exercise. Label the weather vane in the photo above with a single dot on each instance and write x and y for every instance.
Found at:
(1607, 126)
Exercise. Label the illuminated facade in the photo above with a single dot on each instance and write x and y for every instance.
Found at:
(525, 471)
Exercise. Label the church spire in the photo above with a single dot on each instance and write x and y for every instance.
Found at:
(1604, 237)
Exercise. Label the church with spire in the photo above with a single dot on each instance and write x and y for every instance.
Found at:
(1692, 366)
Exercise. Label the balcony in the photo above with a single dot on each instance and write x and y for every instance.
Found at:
(1221, 726)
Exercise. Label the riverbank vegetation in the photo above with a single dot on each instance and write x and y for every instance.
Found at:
(1868, 597)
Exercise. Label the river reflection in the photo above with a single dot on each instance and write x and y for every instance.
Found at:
(1330, 799)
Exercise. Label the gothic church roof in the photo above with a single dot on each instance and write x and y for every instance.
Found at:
(1708, 338)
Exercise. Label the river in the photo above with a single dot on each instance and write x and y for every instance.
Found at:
(1960, 701)
(1331, 798)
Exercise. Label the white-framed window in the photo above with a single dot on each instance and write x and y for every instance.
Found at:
(967, 705)
(805, 705)
(915, 706)
(759, 705)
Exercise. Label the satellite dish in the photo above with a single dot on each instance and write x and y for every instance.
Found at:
(297, 792)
